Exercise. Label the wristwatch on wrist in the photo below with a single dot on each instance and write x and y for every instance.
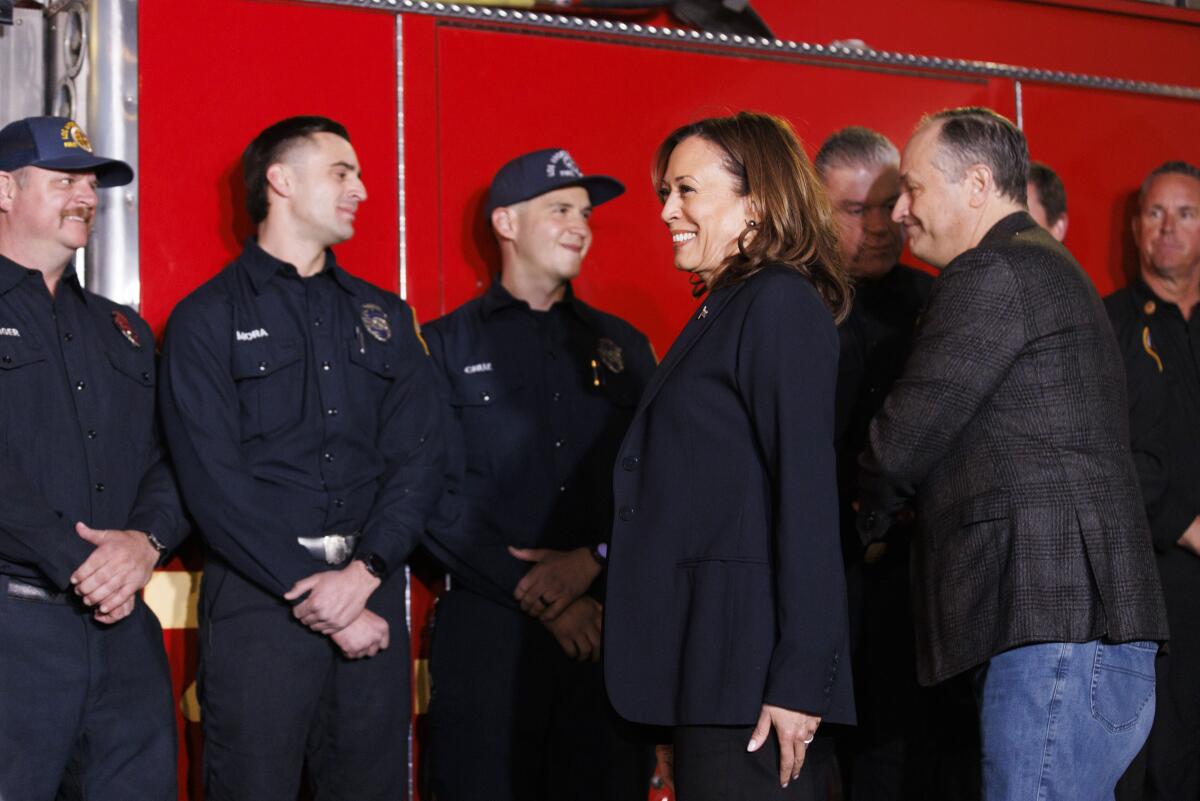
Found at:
(374, 564)
(600, 554)
(158, 546)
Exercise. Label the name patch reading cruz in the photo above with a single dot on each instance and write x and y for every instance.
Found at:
(375, 320)
(482, 367)
(250, 336)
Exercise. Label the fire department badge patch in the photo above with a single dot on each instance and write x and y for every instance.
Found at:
(121, 323)
(375, 320)
(610, 354)
(73, 136)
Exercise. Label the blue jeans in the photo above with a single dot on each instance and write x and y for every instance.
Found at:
(1063, 720)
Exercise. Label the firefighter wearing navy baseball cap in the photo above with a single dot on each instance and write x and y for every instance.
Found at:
(90, 505)
(541, 388)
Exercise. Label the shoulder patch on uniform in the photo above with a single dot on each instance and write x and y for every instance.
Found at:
(610, 354)
(121, 323)
(375, 320)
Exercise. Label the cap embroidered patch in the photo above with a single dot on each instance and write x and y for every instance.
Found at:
(561, 165)
(121, 323)
(375, 320)
(73, 136)
(611, 354)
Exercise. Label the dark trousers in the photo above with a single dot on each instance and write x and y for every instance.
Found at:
(1168, 767)
(712, 764)
(83, 705)
(513, 719)
(278, 698)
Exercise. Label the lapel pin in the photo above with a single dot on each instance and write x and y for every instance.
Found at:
(703, 313)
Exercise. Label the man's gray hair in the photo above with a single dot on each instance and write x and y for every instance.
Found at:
(1168, 168)
(978, 135)
(853, 147)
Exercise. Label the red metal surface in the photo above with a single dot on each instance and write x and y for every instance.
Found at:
(473, 98)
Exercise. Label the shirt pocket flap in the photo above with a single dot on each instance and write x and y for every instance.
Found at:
(485, 390)
(13, 356)
(263, 358)
(140, 370)
(378, 359)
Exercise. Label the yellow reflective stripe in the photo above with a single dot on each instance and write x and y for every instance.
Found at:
(1150, 350)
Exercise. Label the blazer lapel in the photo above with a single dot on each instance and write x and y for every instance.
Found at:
(700, 321)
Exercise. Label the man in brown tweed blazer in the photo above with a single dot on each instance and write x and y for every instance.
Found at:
(1008, 432)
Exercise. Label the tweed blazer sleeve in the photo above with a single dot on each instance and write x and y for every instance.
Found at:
(969, 337)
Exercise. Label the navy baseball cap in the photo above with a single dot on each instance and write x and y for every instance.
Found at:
(57, 143)
(544, 171)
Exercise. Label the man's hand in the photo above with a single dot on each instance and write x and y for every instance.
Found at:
(558, 578)
(335, 599)
(1190, 540)
(367, 635)
(121, 565)
(577, 629)
(795, 731)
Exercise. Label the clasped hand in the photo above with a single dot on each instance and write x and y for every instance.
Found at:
(555, 581)
(111, 576)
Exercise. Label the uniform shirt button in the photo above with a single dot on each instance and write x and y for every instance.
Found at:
(99, 486)
(338, 502)
(387, 366)
(562, 487)
(145, 376)
(7, 360)
(486, 397)
(328, 457)
(80, 385)
(92, 433)
(630, 463)
(558, 443)
(262, 367)
(68, 336)
(626, 513)
(557, 396)
(326, 366)
(317, 322)
(332, 412)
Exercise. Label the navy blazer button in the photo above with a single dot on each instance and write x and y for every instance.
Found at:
(626, 513)
(630, 463)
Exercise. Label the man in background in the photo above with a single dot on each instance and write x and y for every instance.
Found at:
(1047, 199)
(1157, 322)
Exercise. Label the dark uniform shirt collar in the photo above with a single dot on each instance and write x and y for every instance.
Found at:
(262, 267)
(497, 298)
(12, 274)
(1148, 302)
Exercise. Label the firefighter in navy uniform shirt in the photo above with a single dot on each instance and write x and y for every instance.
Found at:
(300, 406)
(86, 707)
(542, 387)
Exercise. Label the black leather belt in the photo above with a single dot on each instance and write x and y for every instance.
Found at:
(33, 592)
(332, 549)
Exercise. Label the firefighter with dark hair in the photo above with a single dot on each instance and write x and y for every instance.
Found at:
(300, 407)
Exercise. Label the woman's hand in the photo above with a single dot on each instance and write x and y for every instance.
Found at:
(795, 731)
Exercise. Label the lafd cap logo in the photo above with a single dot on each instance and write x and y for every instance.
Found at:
(73, 136)
(561, 165)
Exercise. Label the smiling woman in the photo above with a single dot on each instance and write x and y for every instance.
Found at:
(725, 558)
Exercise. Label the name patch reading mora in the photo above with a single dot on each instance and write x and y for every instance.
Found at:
(482, 367)
(249, 336)
(9, 332)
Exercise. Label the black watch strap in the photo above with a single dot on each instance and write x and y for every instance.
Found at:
(374, 563)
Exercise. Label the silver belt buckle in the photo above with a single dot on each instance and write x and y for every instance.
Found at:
(337, 548)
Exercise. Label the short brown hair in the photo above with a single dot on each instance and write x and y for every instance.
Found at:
(796, 229)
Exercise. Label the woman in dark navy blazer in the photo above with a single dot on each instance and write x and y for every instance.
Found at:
(726, 607)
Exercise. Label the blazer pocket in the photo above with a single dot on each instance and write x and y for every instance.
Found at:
(725, 617)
